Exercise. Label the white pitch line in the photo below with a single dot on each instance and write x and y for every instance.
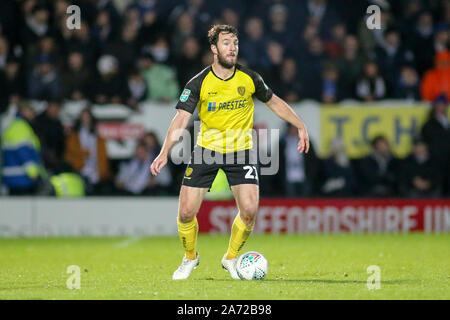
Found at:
(127, 242)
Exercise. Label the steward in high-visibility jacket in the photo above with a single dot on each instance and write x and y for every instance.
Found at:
(21, 159)
(67, 185)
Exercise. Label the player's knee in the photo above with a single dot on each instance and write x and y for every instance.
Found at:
(186, 214)
(249, 210)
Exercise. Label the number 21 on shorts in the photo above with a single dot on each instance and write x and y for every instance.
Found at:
(250, 170)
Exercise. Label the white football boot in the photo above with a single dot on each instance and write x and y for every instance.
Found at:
(230, 266)
(184, 270)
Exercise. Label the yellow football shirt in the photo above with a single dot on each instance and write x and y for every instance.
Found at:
(225, 107)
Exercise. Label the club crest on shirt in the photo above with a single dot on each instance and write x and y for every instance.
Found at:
(189, 171)
(241, 90)
(185, 95)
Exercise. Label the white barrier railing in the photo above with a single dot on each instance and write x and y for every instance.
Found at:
(42, 217)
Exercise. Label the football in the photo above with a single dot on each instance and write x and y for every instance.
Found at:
(252, 265)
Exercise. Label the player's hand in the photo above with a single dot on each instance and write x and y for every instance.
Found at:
(158, 164)
(303, 144)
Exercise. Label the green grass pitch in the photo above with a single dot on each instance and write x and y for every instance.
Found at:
(414, 266)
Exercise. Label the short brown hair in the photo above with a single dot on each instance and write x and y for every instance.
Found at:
(213, 33)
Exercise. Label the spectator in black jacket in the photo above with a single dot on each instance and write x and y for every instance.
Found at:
(287, 84)
(110, 87)
(82, 41)
(77, 78)
(254, 44)
(298, 172)
(421, 41)
(36, 23)
(44, 81)
(125, 48)
(311, 65)
(103, 30)
(408, 84)
(349, 67)
(371, 86)
(339, 178)
(436, 133)
(137, 90)
(12, 82)
(321, 12)
(378, 171)
(50, 131)
(188, 62)
(46, 46)
(391, 56)
(420, 173)
(279, 28)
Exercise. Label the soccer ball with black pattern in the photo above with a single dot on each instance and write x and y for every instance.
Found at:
(252, 265)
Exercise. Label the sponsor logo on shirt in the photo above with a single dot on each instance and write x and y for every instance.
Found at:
(212, 106)
(230, 105)
(233, 105)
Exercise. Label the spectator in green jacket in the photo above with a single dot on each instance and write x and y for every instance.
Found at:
(161, 80)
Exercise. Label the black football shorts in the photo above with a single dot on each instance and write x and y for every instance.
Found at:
(240, 167)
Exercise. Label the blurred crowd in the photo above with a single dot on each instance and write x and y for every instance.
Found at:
(130, 51)
(38, 156)
(35, 148)
(424, 173)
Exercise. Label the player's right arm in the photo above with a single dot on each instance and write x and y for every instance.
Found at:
(176, 128)
(186, 105)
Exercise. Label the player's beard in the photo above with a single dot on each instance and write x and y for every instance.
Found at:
(223, 62)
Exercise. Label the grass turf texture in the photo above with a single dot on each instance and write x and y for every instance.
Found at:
(415, 266)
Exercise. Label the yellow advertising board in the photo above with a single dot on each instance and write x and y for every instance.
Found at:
(358, 125)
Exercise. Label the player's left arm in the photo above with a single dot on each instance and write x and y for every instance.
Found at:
(285, 112)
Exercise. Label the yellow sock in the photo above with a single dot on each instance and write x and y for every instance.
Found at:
(188, 236)
(239, 234)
